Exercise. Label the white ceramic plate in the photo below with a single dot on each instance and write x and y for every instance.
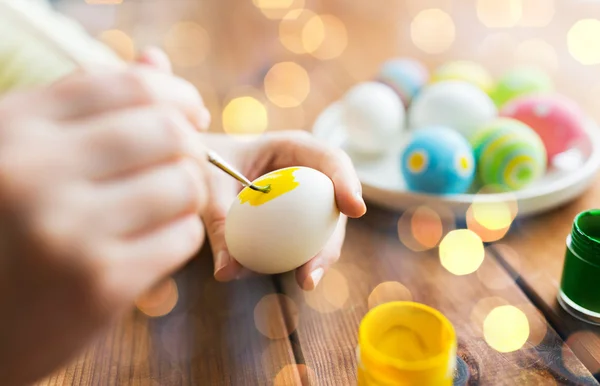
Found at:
(570, 175)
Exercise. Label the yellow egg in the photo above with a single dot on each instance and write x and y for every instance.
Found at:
(281, 230)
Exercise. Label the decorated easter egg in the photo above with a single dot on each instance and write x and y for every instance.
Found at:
(556, 119)
(373, 116)
(467, 71)
(519, 82)
(455, 104)
(405, 76)
(281, 230)
(438, 160)
(509, 155)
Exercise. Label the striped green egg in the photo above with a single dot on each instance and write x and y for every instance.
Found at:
(509, 154)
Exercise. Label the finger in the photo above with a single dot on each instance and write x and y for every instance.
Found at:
(222, 192)
(159, 253)
(157, 58)
(298, 148)
(127, 140)
(309, 275)
(148, 200)
(98, 93)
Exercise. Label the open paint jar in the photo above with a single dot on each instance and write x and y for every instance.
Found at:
(579, 291)
(406, 343)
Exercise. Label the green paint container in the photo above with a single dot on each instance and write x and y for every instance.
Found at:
(580, 285)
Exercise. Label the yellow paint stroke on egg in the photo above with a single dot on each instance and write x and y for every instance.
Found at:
(464, 163)
(281, 181)
(417, 161)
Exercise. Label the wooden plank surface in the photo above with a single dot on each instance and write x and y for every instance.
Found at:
(534, 252)
(211, 337)
(329, 318)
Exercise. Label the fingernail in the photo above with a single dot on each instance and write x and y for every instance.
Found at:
(221, 261)
(358, 194)
(359, 197)
(313, 279)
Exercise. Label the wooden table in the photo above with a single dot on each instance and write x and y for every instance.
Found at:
(212, 336)
(265, 330)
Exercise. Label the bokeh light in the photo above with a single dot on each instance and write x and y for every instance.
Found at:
(499, 14)
(313, 34)
(426, 226)
(537, 323)
(461, 252)
(331, 294)
(160, 300)
(324, 37)
(537, 53)
(120, 42)
(583, 42)
(421, 228)
(486, 235)
(245, 115)
(537, 13)
(287, 84)
(494, 215)
(433, 31)
(297, 375)
(291, 30)
(389, 291)
(491, 220)
(506, 329)
(268, 316)
(584, 344)
(277, 9)
(481, 311)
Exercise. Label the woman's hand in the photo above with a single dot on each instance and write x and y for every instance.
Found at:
(99, 200)
(274, 151)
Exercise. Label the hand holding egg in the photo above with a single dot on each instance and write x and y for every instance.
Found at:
(279, 231)
(299, 225)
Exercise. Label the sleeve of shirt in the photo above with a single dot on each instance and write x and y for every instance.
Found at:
(39, 46)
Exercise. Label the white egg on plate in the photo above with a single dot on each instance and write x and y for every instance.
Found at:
(373, 115)
(281, 230)
(459, 105)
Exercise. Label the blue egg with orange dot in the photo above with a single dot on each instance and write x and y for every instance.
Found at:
(438, 160)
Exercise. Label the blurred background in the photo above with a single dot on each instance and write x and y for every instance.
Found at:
(276, 64)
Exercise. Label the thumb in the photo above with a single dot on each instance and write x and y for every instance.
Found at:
(226, 267)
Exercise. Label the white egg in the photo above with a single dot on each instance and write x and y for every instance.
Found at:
(455, 104)
(373, 116)
(281, 230)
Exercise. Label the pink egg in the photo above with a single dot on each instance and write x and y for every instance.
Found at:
(557, 120)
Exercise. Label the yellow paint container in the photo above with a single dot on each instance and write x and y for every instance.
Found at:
(406, 344)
